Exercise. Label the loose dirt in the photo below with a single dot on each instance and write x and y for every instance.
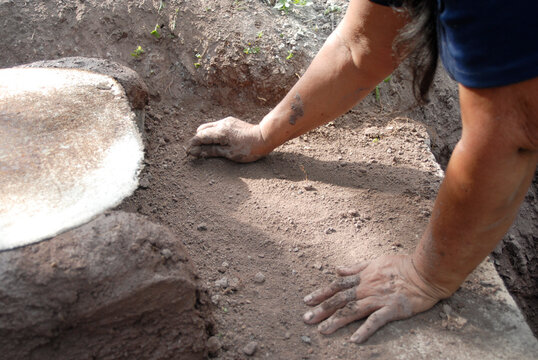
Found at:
(293, 216)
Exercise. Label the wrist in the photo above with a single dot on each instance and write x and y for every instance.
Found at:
(269, 136)
(433, 286)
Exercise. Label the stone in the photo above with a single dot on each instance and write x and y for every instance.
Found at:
(136, 90)
(234, 283)
(134, 86)
(215, 299)
(250, 348)
(309, 187)
(222, 282)
(103, 290)
(259, 278)
(202, 227)
(306, 339)
(70, 150)
(213, 345)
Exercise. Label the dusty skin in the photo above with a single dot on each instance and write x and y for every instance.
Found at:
(230, 138)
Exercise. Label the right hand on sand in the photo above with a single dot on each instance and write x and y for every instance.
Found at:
(230, 138)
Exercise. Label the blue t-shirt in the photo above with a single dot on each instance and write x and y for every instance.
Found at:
(487, 43)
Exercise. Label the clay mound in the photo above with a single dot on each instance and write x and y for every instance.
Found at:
(69, 149)
(119, 287)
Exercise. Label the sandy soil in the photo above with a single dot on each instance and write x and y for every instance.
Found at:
(292, 216)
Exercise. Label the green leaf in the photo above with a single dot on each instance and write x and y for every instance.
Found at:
(290, 55)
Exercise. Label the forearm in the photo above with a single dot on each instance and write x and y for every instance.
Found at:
(355, 58)
(486, 180)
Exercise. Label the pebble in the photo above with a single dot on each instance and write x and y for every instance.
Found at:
(329, 230)
(287, 335)
(202, 227)
(144, 183)
(309, 187)
(259, 278)
(213, 345)
(223, 283)
(250, 348)
(317, 266)
(166, 253)
(306, 339)
(215, 299)
(234, 283)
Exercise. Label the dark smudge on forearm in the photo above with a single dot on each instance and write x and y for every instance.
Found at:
(297, 109)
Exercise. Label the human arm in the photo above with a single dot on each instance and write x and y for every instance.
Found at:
(486, 181)
(353, 60)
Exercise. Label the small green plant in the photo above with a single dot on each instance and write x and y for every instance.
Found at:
(290, 55)
(285, 5)
(137, 52)
(332, 9)
(251, 50)
(239, 5)
(378, 92)
(173, 22)
(259, 35)
(156, 32)
(198, 62)
(162, 5)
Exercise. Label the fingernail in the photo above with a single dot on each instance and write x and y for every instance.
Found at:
(356, 339)
(307, 298)
(308, 316)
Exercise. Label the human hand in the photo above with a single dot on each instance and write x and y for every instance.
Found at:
(386, 289)
(231, 138)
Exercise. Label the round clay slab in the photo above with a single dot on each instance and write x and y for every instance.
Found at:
(69, 149)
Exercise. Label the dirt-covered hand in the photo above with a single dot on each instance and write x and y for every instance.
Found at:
(383, 290)
(231, 138)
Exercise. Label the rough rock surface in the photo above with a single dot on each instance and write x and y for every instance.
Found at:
(69, 149)
(118, 287)
(136, 90)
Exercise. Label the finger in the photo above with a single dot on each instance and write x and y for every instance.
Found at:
(207, 151)
(320, 295)
(212, 135)
(351, 312)
(328, 307)
(206, 125)
(353, 269)
(372, 324)
(193, 150)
